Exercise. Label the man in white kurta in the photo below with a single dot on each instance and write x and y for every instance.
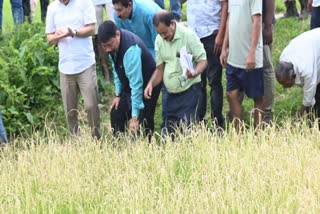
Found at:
(70, 24)
(300, 64)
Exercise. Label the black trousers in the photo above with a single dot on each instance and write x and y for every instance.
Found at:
(44, 7)
(317, 104)
(121, 116)
(213, 73)
(26, 9)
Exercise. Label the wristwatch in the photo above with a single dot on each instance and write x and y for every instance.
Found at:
(74, 33)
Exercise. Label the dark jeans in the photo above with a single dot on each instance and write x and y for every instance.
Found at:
(121, 116)
(315, 18)
(182, 107)
(17, 11)
(3, 133)
(214, 74)
(27, 9)
(164, 104)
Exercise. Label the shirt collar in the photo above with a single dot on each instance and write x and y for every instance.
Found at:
(133, 9)
(61, 3)
(178, 33)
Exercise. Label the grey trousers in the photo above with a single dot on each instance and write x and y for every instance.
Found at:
(85, 83)
(269, 78)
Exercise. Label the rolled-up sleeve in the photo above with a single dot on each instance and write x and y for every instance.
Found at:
(116, 80)
(309, 91)
(133, 69)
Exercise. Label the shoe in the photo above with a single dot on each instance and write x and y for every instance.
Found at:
(304, 15)
(268, 116)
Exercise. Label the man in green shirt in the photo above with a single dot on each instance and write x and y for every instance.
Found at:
(183, 92)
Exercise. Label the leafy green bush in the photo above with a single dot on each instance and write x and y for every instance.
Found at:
(29, 80)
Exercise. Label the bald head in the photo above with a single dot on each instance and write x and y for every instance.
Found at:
(163, 17)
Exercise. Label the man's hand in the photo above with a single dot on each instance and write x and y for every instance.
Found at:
(134, 125)
(60, 34)
(115, 103)
(191, 75)
(309, 6)
(302, 111)
(251, 61)
(218, 43)
(267, 35)
(224, 57)
(148, 91)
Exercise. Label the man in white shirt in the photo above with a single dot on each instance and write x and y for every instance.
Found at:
(77, 65)
(302, 68)
(208, 20)
(314, 8)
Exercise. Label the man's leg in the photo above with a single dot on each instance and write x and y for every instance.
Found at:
(164, 106)
(317, 105)
(291, 8)
(87, 81)
(258, 111)
(233, 75)
(269, 78)
(121, 115)
(315, 18)
(253, 83)
(182, 107)
(27, 9)
(214, 74)
(17, 11)
(70, 92)
(160, 3)
(202, 108)
(147, 114)
(3, 133)
(304, 9)
(235, 107)
(175, 7)
(33, 8)
(44, 7)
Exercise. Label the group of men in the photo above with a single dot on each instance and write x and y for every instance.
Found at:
(144, 44)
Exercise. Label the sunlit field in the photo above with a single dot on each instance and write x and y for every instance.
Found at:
(270, 170)
(275, 170)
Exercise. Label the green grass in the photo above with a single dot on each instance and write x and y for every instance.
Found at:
(276, 170)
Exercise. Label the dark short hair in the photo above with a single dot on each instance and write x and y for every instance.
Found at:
(164, 17)
(124, 3)
(106, 31)
(285, 69)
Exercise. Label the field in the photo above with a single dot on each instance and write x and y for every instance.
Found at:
(276, 170)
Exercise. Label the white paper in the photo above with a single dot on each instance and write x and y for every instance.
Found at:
(186, 62)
